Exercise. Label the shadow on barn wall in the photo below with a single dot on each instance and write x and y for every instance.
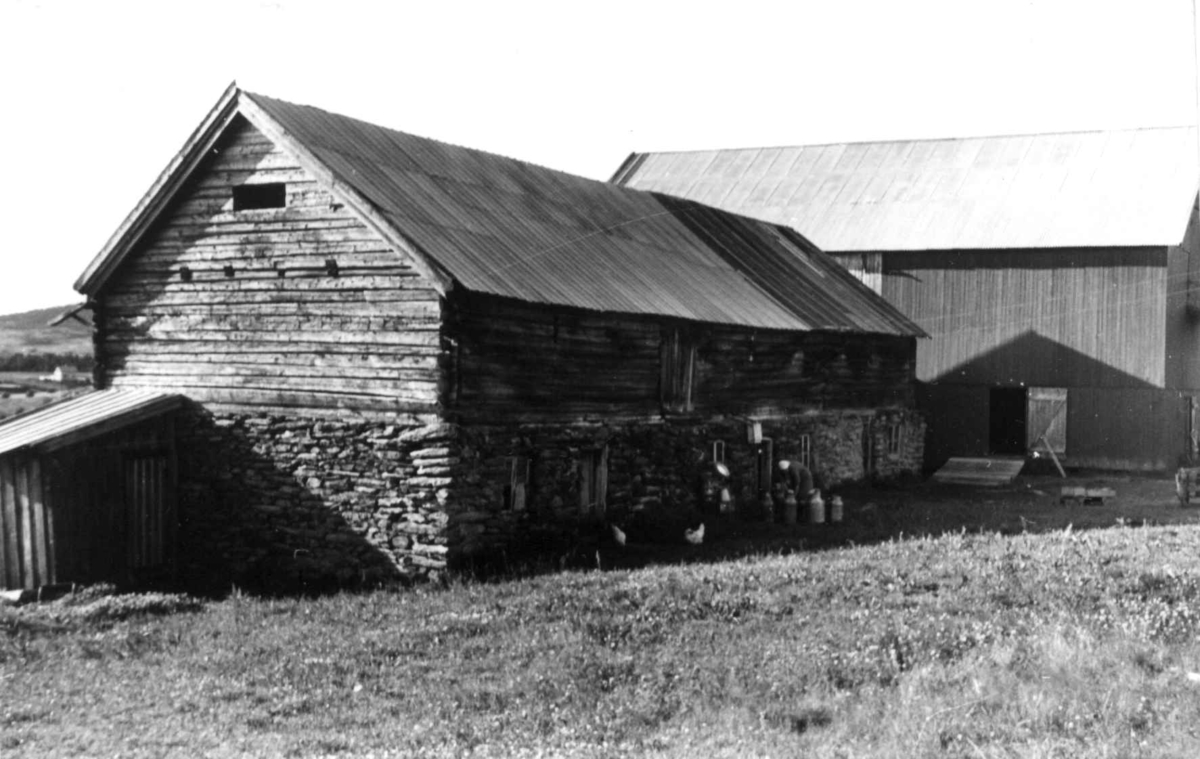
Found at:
(1115, 420)
(286, 504)
(1036, 360)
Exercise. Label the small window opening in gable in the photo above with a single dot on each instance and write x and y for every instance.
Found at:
(185, 274)
(331, 267)
(895, 439)
(516, 492)
(806, 451)
(248, 197)
(228, 271)
(593, 481)
(678, 364)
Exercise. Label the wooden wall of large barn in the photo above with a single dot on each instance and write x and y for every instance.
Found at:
(1110, 329)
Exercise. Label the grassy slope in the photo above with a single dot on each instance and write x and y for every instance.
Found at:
(1065, 644)
(27, 332)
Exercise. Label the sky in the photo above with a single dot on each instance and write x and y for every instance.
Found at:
(99, 96)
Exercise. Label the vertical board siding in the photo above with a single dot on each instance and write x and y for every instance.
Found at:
(10, 539)
(99, 510)
(145, 494)
(1051, 318)
(284, 329)
(24, 508)
(1127, 428)
(28, 542)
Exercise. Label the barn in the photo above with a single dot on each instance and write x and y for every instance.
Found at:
(399, 353)
(1056, 275)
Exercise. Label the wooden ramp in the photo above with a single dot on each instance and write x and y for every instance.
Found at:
(993, 472)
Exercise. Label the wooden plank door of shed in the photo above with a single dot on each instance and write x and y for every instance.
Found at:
(147, 504)
(1047, 418)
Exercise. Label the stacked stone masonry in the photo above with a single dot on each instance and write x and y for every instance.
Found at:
(282, 501)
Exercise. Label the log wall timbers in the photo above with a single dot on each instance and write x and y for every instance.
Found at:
(297, 307)
(535, 363)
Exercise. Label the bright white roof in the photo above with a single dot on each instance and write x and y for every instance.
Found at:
(1080, 189)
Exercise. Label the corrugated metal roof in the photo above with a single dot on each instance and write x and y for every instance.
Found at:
(1081, 189)
(95, 412)
(505, 227)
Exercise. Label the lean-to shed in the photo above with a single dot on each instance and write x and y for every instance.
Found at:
(87, 491)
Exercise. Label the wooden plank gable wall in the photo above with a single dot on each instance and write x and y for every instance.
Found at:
(301, 306)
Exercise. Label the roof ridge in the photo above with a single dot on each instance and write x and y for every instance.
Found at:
(901, 140)
(456, 146)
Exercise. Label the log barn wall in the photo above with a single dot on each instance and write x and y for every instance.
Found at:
(521, 361)
(280, 328)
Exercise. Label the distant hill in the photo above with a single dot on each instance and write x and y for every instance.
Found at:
(28, 332)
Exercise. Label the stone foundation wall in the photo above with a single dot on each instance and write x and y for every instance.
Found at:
(284, 502)
(656, 470)
(289, 502)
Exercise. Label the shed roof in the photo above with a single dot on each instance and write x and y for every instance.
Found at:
(86, 416)
(505, 227)
(1081, 189)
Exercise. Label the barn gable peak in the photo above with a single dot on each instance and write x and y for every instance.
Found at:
(234, 105)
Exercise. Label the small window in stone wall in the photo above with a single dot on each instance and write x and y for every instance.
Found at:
(593, 480)
(805, 457)
(895, 439)
(516, 492)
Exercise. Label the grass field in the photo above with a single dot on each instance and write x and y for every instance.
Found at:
(1066, 643)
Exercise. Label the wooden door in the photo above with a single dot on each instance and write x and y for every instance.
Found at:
(1047, 410)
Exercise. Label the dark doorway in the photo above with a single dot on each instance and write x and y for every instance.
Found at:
(1006, 421)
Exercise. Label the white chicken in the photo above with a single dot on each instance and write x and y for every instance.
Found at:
(618, 535)
(696, 536)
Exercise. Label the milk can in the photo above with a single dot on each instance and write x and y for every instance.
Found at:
(835, 509)
(816, 508)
